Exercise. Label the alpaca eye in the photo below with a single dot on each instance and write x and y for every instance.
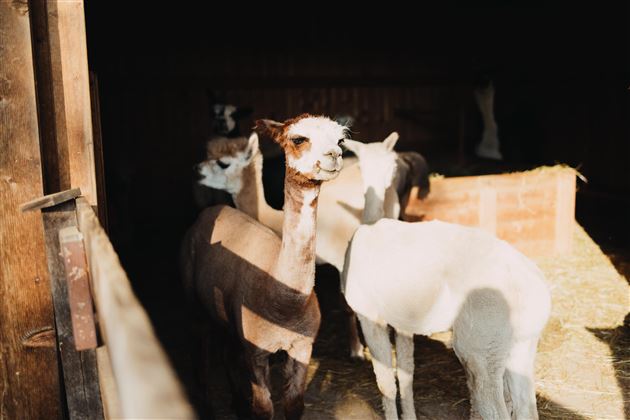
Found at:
(340, 142)
(298, 140)
(222, 165)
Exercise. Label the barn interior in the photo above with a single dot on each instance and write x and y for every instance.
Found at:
(561, 77)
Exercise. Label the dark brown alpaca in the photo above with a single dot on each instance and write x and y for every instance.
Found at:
(259, 288)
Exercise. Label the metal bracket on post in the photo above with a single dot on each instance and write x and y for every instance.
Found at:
(78, 282)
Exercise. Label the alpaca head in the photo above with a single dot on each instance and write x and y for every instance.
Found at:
(377, 162)
(226, 159)
(224, 122)
(312, 144)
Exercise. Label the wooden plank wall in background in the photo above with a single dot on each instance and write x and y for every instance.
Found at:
(29, 386)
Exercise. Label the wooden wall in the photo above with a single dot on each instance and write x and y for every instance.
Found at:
(30, 385)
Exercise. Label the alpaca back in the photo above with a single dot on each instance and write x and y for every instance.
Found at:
(228, 254)
(416, 276)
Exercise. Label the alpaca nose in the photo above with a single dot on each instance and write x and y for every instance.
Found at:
(334, 153)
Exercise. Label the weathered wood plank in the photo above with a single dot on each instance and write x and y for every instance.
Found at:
(147, 385)
(77, 281)
(99, 161)
(532, 210)
(80, 375)
(50, 200)
(109, 392)
(64, 96)
(29, 382)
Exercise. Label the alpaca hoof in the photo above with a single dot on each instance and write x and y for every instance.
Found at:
(357, 354)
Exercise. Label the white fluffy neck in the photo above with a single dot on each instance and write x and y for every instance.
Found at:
(373, 209)
(295, 266)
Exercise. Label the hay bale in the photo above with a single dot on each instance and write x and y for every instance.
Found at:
(583, 361)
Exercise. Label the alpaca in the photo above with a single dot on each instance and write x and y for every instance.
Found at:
(225, 117)
(258, 288)
(225, 121)
(427, 277)
(236, 167)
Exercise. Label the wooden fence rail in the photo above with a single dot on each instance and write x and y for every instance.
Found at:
(135, 378)
(146, 384)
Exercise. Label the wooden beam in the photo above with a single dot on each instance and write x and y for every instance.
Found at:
(64, 97)
(146, 383)
(50, 200)
(80, 375)
(99, 160)
(29, 385)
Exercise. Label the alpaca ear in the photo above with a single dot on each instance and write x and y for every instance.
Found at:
(252, 144)
(353, 146)
(390, 141)
(271, 128)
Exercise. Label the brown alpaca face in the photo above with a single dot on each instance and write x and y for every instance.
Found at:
(312, 144)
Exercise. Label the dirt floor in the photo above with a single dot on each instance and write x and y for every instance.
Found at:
(583, 363)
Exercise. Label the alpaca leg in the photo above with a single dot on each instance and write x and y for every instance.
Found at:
(262, 406)
(356, 347)
(294, 387)
(485, 383)
(377, 340)
(237, 369)
(519, 377)
(481, 340)
(404, 372)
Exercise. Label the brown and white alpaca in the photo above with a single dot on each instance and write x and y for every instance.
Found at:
(235, 166)
(259, 288)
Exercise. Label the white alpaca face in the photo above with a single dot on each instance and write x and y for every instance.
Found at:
(225, 172)
(377, 162)
(315, 150)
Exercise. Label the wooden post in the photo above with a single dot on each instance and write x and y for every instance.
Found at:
(99, 162)
(79, 367)
(74, 318)
(64, 97)
(146, 385)
(29, 385)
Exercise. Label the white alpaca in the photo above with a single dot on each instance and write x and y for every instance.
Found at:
(235, 165)
(427, 277)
